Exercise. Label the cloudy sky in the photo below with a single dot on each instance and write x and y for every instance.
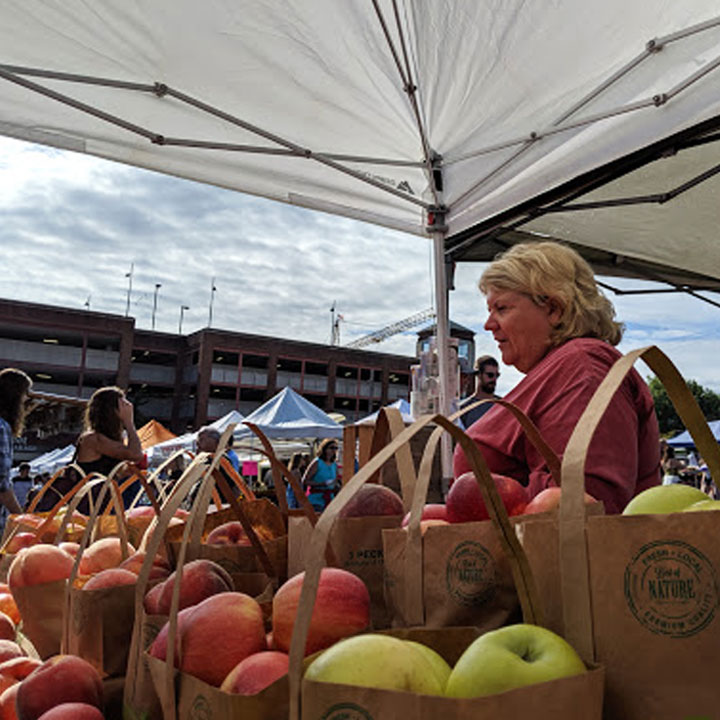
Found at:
(72, 226)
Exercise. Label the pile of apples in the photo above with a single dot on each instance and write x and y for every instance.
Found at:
(223, 636)
(511, 657)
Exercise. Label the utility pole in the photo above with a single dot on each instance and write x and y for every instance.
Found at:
(213, 290)
(183, 308)
(334, 334)
(87, 303)
(129, 276)
(155, 297)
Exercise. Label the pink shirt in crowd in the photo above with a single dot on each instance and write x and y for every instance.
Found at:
(624, 455)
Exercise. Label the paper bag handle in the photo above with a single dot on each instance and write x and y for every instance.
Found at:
(575, 580)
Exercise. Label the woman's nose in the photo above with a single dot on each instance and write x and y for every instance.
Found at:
(490, 323)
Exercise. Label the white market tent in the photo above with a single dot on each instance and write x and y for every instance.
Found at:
(402, 405)
(474, 124)
(163, 450)
(289, 415)
(52, 460)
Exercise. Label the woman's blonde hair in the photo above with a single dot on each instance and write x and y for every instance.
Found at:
(549, 270)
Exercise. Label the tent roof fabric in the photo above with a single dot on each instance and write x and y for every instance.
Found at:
(290, 415)
(358, 110)
(402, 405)
(684, 439)
(152, 433)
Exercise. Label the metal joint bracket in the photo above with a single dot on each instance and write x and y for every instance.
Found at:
(436, 219)
(158, 140)
(160, 89)
(533, 136)
(660, 99)
(653, 46)
(410, 88)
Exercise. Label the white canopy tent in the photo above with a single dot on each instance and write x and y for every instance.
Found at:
(289, 415)
(475, 124)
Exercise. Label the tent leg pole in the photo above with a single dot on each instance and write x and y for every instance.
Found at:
(442, 330)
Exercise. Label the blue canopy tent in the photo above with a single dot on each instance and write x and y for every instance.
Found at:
(684, 439)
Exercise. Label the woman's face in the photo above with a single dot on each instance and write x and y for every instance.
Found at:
(520, 327)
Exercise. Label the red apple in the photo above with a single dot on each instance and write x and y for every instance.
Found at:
(19, 667)
(73, 711)
(341, 609)
(7, 702)
(256, 672)
(10, 650)
(373, 500)
(216, 635)
(7, 627)
(431, 511)
(465, 502)
(61, 679)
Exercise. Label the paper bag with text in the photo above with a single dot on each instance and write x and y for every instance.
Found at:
(640, 593)
(578, 697)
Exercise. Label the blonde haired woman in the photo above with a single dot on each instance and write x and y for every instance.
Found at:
(553, 324)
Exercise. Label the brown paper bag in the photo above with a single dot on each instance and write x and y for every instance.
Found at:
(42, 607)
(576, 697)
(640, 593)
(98, 623)
(357, 543)
(179, 695)
(456, 574)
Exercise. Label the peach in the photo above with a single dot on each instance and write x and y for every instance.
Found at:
(431, 511)
(216, 635)
(60, 679)
(19, 667)
(112, 577)
(73, 711)
(152, 600)
(160, 568)
(6, 681)
(37, 565)
(8, 606)
(256, 672)
(9, 650)
(72, 548)
(230, 533)
(200, 580)
(432, 522)
(103, 554)
(7, 702)
(549, 499)
(373, 500)
(341, 609)
(465, 502)
(7, 627)
(19, 541)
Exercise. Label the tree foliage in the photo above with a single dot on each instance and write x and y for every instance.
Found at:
(668, 418)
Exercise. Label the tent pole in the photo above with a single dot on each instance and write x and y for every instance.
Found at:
(438, 232)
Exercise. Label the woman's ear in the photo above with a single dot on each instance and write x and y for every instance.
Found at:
(555, 311)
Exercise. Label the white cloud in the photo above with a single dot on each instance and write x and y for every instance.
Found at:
(72, 225)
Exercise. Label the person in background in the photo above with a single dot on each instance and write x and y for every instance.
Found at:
(553, 324)
(62, 485)
(14, 388)
(231, 455)
(22, 483)
(298, 465)
(101, 446)
(487, 372)
(671, 467)
(320, 478)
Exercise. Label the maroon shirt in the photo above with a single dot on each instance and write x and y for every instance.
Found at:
(624, 455)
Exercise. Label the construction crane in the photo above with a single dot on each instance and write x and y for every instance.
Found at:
(393, 329)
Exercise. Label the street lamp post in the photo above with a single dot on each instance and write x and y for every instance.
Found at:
(157, 287)
(183, 308)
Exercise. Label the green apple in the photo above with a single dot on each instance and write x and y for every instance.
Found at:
(664, 499)
(511, 657)
(376, 661)
(439, 665)
(702, 505)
